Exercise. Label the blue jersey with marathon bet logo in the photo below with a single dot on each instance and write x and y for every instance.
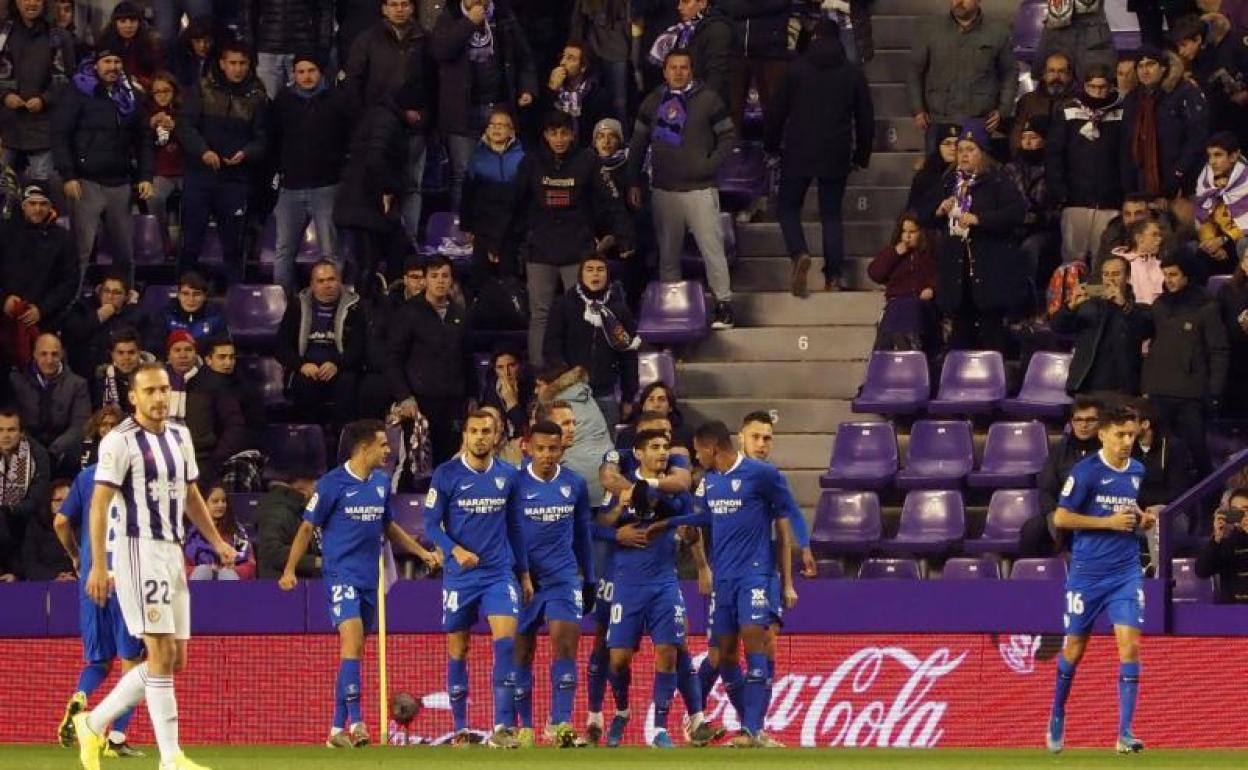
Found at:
(352, 514)
(469, 508)
(656, 563)
(742, 502)
(555, 517)
(1094, 488)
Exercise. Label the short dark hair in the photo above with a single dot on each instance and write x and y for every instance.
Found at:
(1128, 56)
(477, 414)
(644, 437)
(554, 120)
(414, 262)
(231, 44)
(1223, 140)
(715, 433)
(1116, 258)
(594, 256)
(325, 262)
(436, 262)
(209, 346)
(650, 417)
(193, 279)
(1187, 28)
(677, 52)
(1058, 55)
(124, 334)
(1083, 402)
(361, 433)
(11, 411)
(116, 274)
(1139, 196)
(546, 428)
(757, 416)
(587, 56)
(1177, 259)
(1118, 414)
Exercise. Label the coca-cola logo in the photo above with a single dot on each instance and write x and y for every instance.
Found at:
(1019, 652)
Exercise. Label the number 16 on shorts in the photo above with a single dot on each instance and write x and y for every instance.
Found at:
(1074, 606)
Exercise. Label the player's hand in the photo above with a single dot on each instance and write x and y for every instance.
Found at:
(631, 536)
(1152, 514)
(287, 581)
(706, 582)
(225, 553)
(809, 568)
(526, 587)
(98, 584)
(1123, 520)
(432, 559)
(466, 559)
(1219, 526)
(790, 597)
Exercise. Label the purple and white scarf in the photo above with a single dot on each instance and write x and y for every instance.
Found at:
(1234, 195)
(676, 36)
(571, 98)
(481, 44)
(16, 472)
(671, 115)
(963, 197)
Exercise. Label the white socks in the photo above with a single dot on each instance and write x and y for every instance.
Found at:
(125, 695)
(162, 706)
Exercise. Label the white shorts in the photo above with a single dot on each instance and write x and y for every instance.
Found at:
(150, 579)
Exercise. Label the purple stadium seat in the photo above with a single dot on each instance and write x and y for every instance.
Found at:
(864, 456)
(932, 521)
(253, 312)
(1188, 586)
(1013, 456)
(408, 511)
(673, 313)
(970, 569)
(830, 568)
(148, 240)
(1044, 388)
(1028, 21)
(846, 522)
(294, 449)
(971, 382)
(744, 172)
(243, 505)
(265, 374)
(889, 569)
(394, 435)
(1038, 569)
(1216, 282)
(1007, 511)
(896, 383)
(444, 225)
(941, 455)
(156, 298)
(656, 366)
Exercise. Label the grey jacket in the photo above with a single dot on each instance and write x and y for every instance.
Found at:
(707, 139)
(955, 75)
(593, 440)
(54, 416)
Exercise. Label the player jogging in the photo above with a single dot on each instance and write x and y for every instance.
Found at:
(553, 507)
(467, 516)
(146, 477)
(350, 507)
(1098, 503)
(104, 633)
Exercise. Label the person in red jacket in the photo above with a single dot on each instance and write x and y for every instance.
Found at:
(907, 270)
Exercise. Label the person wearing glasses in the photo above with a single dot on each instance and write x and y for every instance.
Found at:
(89, 325)
(1039, 537)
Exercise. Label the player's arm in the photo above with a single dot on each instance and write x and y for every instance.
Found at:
(436, 503)
(197, 512)
(64, 530)
(582, 543)
(399, 537)
(784, 559)
(303, 536)
(515, 538)
(1122, 520)
(609, 474)
(607, 525)
(97, 579)
(781, 498)
(697, 549)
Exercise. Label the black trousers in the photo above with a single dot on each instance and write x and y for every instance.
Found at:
(311, 397)
(1185, 418)
(446, 424)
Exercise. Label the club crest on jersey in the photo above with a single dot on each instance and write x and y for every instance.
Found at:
(1135, 482)
(736, 485)
(566, 490)
(381, 491)
(153, 615)
(500, 483)
(431, 498)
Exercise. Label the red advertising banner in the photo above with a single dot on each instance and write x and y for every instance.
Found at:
(920, 690)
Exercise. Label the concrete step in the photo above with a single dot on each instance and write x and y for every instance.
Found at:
(785, 343)
(862, 203)
(790, 379)
(763, 239)
(887, 169)
(897, 135)
(834, 311)
(771, 275)
(888, 66)
(801, 451)
(889, 100)
(805, 487)
(792, 415)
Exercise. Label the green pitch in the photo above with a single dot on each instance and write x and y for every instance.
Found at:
(385, 758)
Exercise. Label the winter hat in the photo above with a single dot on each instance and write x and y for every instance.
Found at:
(947, 131)
(104, 50)
(610, 125)
(975, 130)
(127, 10)
(176, 336)
(309, 56)
(35, 194)
(1038, 124)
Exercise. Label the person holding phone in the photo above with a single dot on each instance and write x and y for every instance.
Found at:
(1226, 552)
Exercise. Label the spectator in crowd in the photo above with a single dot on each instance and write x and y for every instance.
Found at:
(43, 556)
(483, 60)
(490, 192)
(1233, 303)
(192, 59)
(220, 373)
(686, 128)
(1109, 330)
(77, 23)
(604, 26)
(1225, 555)
(573, 87)
(320, 344)
(823, 119)
(311, 126)
(564, 210)
(1038, 537)
(134, 42)
(223, 129)
(182, 364)
(706, 32)
(961, 66)
(167, 16)
(1221, 202)
(1041, 231)
(1055, 88)
(53, 402)
(1185, 372)
(1167, 464)
(168, 164)
(592, 327)
(567, 400)
(282, 29)
(91, 321)
(1081, 31)
(391, 53)
(1125, 79)
(509, 389)
(906, 268)
(111, 381)
(1155, 15)
(431, 368)
(1144, 256)
(190, 311)
(39, 57)
(658, 398)
(981, 275)
(765, 43)
(1217, 59)
(101, 152)
(1081, 163)
(398, 293)
(278, 515)
(1164, 122)
(97, 426)
(650, 20)
(1136, 207)
(38, 275)
(10, 190)
(214, 410)
(612, 152)
(202, 561)
(25, 471)
(938, 164)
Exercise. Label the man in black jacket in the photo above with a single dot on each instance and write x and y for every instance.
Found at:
(431, 369)
(91, 321)
(54, 402)
(1226, 553)
(278, 516)
(1038, 537)
(39, 57)
(26, 469)
(1165, 122)
(710, 46)
(281, 29)
(221, 426)
(1167, 463)
(1109, 330)
(38, 269)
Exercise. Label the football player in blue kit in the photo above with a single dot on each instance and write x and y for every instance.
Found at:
(1098, 503)
(553, 507)
(350, 507)
(481, 538)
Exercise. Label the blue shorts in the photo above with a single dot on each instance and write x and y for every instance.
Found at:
(557, 601)
(658, 610)
(462, 605)
(777, 602)
(104, 632)
(745, 601)
(348, 602)
(603, 598)
(1122, 596)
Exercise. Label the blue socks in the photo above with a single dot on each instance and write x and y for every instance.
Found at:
(122, 722)
(91, 677)
(734, 685)
(755, 691)
(664, 688)
(596, 673)
(457, 690)
(707, 674)
(771, 681)
(1065, 678)
(503, 680)
(524, 695)
(563, 690)
(688, 684)
(349, 689)
(620, 681)
(1128, 689)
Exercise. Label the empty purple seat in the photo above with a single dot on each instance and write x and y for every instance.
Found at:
(1038, 569)
(971, 382)
(830, 568)
(156, 298)
(1013, 456)
(408, 511)
(656, 366)
(295, 449)
(253, 312)
(889, 569)
(932, 521)
(1028, 22)
(864, 456)
(1044, 388)
(1188, 586)
(846, 522)
(443, 236)
(148, 240)
(394, 435)
(1216, 282)
(896, 383)
(970, 569)
(243, 505)
(673, 313)
(264, 374)
(1008, 510)
(941, 455)
(744, 172)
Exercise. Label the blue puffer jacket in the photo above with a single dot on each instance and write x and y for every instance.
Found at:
(490, 192)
